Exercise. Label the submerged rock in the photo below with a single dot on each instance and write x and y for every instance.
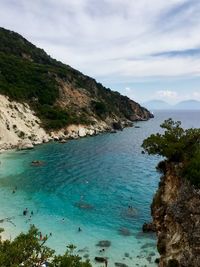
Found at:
(86, 256)
(104, 243)
(83, 250)
(130, 212)
(125, 232)
(37, 163)
(101, 259)
(84, 205)
(142, 235)
(148, 245)
(119, 264)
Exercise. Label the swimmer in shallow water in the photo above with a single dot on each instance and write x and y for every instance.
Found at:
(25, 212)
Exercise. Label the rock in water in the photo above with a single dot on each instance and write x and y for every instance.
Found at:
(125, 232)
(104, 243)
(37, 163)
(119, 264)
(100, 259)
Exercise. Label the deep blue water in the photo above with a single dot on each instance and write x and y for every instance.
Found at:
(89, 183)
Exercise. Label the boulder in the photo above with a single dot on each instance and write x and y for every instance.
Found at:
(82, 132)
(91, 132)
(25, 144)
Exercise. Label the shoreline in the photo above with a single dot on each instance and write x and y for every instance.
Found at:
(20, 127)
(75, 132)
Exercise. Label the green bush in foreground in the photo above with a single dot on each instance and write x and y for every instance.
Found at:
(29, 251)
(177, 145)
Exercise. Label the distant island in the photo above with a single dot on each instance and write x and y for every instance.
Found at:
(183, 105)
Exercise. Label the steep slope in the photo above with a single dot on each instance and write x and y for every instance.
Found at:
(19, 127)
(59, 94)
(176, 215)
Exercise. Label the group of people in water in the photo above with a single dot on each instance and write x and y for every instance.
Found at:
(25, 212)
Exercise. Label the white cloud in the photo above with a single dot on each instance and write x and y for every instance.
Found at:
(111, 40)
(167, 94)
(196, 95)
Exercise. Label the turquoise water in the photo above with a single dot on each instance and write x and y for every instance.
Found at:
(88, 183)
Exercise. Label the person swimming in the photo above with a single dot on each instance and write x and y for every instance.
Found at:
(25, 212)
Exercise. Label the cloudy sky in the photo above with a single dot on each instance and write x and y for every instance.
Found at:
(146, 49)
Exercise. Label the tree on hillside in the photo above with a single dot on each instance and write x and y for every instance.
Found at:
(177, 145)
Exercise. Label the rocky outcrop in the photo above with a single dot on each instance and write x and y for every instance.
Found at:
(176, 216)
(19, 126)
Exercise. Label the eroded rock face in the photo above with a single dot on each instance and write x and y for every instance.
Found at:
(148, 227)
(176, 215)
(19, 126)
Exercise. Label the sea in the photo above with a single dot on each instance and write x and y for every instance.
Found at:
(89, 190)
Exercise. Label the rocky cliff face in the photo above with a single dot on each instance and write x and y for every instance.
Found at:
(20, 127)
(53, 100)
(58, 94)
(176, 215)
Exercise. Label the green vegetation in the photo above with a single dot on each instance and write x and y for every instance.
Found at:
(177, 145)
(28, 74)
(100, 109)
(192, 172)
(28, 250)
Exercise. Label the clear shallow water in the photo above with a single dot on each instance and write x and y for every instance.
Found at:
(88, 183)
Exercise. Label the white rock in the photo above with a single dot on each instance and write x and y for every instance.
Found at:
(82, 132)
(16, 117)
(25, 144)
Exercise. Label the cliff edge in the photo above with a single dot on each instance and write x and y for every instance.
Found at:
(176, 216)
(176, 204)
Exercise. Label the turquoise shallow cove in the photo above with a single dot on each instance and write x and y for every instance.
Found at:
(103, 184)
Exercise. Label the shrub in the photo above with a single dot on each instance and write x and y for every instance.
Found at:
(177, 145)
(28, 250)
(192, 172)
(99, 108)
